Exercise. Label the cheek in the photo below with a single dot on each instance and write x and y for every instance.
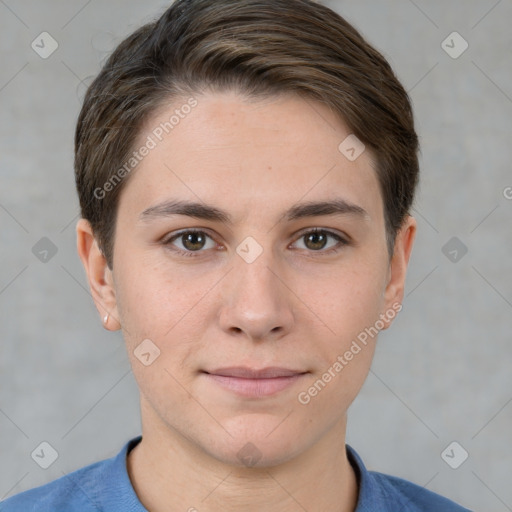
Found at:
(150, 298)
(153, 313)
(350, 304)
(348, 298)
(166, 308)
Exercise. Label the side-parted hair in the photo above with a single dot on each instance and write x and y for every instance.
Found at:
(259, 48)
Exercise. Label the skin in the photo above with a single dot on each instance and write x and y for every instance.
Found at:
(295, 306)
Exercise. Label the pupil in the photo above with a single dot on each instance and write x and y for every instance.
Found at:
(314, 237)
(190, 242)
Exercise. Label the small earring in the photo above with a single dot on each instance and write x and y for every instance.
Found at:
(105, 319)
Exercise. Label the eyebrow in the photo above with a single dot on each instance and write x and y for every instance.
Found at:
(204, 211)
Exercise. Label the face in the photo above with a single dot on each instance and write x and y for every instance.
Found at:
(253, 276)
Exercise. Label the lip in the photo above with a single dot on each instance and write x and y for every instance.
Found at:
(254, 383)
(245, 372)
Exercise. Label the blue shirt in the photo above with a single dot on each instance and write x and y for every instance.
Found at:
(106, 487)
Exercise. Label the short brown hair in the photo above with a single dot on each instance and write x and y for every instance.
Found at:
(258, 48)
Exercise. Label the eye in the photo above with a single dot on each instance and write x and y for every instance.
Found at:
(192, 241)
(317, 240)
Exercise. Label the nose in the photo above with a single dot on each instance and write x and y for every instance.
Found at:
(257, 302)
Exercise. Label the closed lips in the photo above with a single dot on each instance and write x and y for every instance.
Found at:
(249, 373)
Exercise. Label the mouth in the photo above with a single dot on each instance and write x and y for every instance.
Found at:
(249, 382)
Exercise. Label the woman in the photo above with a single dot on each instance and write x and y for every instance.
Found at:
(245, 171)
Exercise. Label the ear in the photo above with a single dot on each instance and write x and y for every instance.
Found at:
(100, 277)
(394, 291)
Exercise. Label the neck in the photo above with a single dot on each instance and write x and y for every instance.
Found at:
(167, 468)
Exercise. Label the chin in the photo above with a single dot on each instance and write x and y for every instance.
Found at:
(254, 446)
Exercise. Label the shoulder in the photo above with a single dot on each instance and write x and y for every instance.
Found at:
(88, 489)
(66, 493)
(413, 497)
(387, 493)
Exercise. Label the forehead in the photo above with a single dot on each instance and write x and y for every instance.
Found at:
(250, 153)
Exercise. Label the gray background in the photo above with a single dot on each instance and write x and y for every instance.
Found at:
(441, 373)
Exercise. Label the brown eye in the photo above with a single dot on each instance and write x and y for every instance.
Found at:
(193, 241)
(317, 240)
(189, 242)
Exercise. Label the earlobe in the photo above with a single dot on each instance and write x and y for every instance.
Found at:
(98, 274)
(394, 292)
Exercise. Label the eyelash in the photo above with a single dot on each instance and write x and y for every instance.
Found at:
(341, 241)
